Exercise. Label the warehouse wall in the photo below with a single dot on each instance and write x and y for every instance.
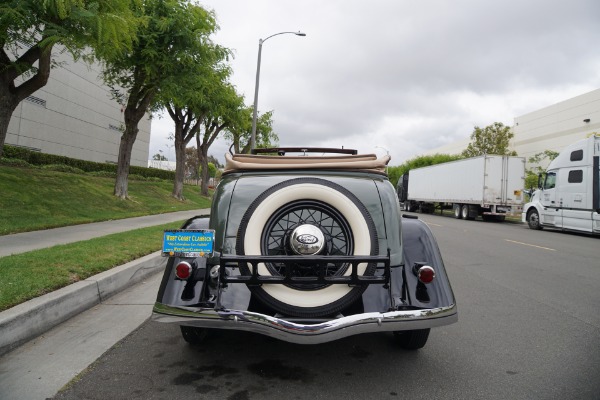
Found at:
(74, 116)
(556, 126)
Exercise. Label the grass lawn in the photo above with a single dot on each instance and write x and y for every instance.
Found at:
(29, 275)
(34, 199)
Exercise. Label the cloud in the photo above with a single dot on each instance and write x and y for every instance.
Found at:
(407, 76)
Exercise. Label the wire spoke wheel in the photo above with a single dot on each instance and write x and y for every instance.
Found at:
(338, 238)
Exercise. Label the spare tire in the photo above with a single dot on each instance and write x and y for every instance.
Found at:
(282, 221)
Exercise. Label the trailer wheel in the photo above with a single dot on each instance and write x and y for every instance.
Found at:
(457, 210)
(533, 219)
(465, 212)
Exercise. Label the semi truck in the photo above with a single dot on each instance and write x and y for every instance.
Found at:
(490, 186)
(568, 194)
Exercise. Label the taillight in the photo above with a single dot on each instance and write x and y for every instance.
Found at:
(426, 274)
(183, 270)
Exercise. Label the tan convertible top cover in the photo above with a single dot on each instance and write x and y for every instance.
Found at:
(245, 162)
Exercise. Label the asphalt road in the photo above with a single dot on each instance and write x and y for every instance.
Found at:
(529, 328)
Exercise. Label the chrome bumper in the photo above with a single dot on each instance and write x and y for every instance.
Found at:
(305, 333)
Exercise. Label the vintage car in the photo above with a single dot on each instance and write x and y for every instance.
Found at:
(306, 245)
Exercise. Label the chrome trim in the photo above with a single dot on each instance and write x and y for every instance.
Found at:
(305, 333)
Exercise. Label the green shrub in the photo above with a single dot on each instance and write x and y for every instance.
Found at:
(103, 174)
(15, 162)
(17, 152)
(63, 168)
(152, 172)
(136, 177)
(37, 158)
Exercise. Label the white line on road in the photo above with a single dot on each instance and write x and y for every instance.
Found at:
(532, 245)
(429, 223)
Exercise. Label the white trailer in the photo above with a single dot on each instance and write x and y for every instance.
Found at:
(569, 192)
(489, 185)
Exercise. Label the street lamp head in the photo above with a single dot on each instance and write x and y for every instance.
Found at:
(384, 149)
(300, 34)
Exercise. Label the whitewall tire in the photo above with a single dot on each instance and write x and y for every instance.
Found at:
(349, 230)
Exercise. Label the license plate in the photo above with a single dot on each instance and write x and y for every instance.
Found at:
(188, 243)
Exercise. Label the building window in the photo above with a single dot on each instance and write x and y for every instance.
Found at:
(576, 176)
(577, 155)
(36, 100)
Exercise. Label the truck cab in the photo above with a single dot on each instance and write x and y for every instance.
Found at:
(568, 196)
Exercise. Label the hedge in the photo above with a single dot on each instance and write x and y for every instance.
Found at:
(63, 168)
(15, 162)
(37, 158)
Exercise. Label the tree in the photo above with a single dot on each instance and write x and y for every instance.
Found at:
(173, 38)
(226, 112)
(212, 170)
(159, 157)
(29, 30)
(493, 139)
(215, 162)
(189, 101)
(192, 164)
(240, 135)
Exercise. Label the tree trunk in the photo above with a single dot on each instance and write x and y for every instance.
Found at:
(204, 172)
(186, 126)
(124, 161)
(137, 104)
(179, 165)
(202, 150)
(7, 107)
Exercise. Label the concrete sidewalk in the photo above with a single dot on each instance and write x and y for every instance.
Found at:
(41, 367)
(32, 318)
(28, 241)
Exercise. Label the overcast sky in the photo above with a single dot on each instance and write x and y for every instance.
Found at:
(403, 75)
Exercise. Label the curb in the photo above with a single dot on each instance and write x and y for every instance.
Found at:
(28, 320)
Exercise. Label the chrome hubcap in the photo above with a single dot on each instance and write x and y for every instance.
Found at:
(307, 240)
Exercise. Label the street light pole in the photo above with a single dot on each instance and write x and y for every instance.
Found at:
(255, 110)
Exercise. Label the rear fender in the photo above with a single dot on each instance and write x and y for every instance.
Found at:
(420, 246)
(184, 293)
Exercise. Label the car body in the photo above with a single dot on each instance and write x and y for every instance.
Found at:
(308, 249)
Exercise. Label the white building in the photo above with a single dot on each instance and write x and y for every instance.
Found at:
(550, 128)
(75, 116)
(557, 126)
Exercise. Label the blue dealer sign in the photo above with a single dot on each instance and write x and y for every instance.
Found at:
(188, 243)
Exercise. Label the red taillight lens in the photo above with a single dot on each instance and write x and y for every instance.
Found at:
(183, 270)
(426, 274)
